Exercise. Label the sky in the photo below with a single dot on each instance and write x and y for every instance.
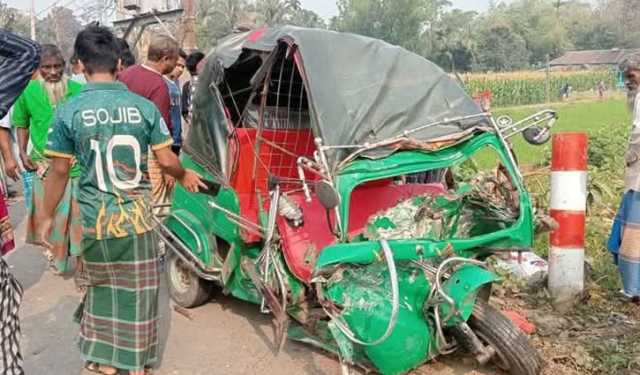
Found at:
(325, 8)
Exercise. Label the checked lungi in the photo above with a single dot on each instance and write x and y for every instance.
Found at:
(624, 242)
(119, 314)
(10, 295)
(66, 233)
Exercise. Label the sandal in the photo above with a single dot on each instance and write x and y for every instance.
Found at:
(100, 369)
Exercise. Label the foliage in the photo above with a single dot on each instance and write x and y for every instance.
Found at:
(59, 27)
(522, 88)
(507, 49)
(511, 35)
(400, 22)
(219, 18)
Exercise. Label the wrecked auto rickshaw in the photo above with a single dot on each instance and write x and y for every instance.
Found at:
(342, 200)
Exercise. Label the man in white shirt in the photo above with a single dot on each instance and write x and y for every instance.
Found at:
(11, 167)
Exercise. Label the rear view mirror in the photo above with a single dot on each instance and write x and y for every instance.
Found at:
(327, 195)
(536, 135)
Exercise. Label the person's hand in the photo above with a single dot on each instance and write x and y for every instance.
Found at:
(45, 225)
(169, 181)
(11, 169)
(27, 162)
(192, 181)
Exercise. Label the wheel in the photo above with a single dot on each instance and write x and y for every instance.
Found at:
(514, 353)
(185, 287)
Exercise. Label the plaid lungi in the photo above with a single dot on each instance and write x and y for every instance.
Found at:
(119, 314)
(66, 233)
(10, 295)
(624, 242)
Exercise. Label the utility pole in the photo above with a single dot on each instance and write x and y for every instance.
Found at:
(33, 19)
(548, 80)
(189, 25)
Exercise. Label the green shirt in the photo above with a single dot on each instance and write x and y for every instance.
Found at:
(32, 110)
(109, 131)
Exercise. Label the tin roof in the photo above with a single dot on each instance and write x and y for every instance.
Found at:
(594, 57)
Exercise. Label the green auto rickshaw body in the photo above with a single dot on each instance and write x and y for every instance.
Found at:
(412, 341)
(346, 273)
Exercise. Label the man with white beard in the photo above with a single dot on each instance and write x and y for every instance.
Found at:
(32, 115)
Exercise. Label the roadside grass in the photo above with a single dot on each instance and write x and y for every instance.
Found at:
(607, 122)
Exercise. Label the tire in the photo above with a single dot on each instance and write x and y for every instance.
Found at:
(185, 287)
(514, 353)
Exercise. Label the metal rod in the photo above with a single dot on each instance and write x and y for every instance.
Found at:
(508, 148)
(248, 224)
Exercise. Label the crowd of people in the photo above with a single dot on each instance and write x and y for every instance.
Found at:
(96, 145)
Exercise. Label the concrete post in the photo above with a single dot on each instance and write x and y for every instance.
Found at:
(568, 206)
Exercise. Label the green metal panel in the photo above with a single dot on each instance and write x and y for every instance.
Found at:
(520, 235)
(368, 252)
(463, 286)
(365, 294)
(214, 221)
(192, 233)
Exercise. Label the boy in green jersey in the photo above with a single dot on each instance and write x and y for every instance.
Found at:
(108, 130)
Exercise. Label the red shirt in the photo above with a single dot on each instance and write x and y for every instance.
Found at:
(151, 85)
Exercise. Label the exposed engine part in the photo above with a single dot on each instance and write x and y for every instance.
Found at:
(290, 211)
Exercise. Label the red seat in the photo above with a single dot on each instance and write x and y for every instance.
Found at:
(361, 206)
(275, 157)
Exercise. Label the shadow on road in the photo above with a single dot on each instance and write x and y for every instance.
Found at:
(262, 324)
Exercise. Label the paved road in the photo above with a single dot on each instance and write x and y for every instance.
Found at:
(225, 336)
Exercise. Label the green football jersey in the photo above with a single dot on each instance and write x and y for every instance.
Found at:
(109, 131)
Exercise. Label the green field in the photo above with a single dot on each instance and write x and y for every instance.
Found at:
(589, 116)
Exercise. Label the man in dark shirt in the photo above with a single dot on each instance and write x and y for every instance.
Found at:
(18, 60)
(147, 81)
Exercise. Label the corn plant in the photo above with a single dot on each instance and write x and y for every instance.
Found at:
(529, 87)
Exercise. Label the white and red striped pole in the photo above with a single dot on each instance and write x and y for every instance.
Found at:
(568, 206)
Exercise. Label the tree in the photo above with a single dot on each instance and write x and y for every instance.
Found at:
(13, 20)
(501, 49)
(217, 18)
(455, 41)
(400, 22)
(96, 10)
(307, 18)
(595, 36)
(59, 27)
(277, 12)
